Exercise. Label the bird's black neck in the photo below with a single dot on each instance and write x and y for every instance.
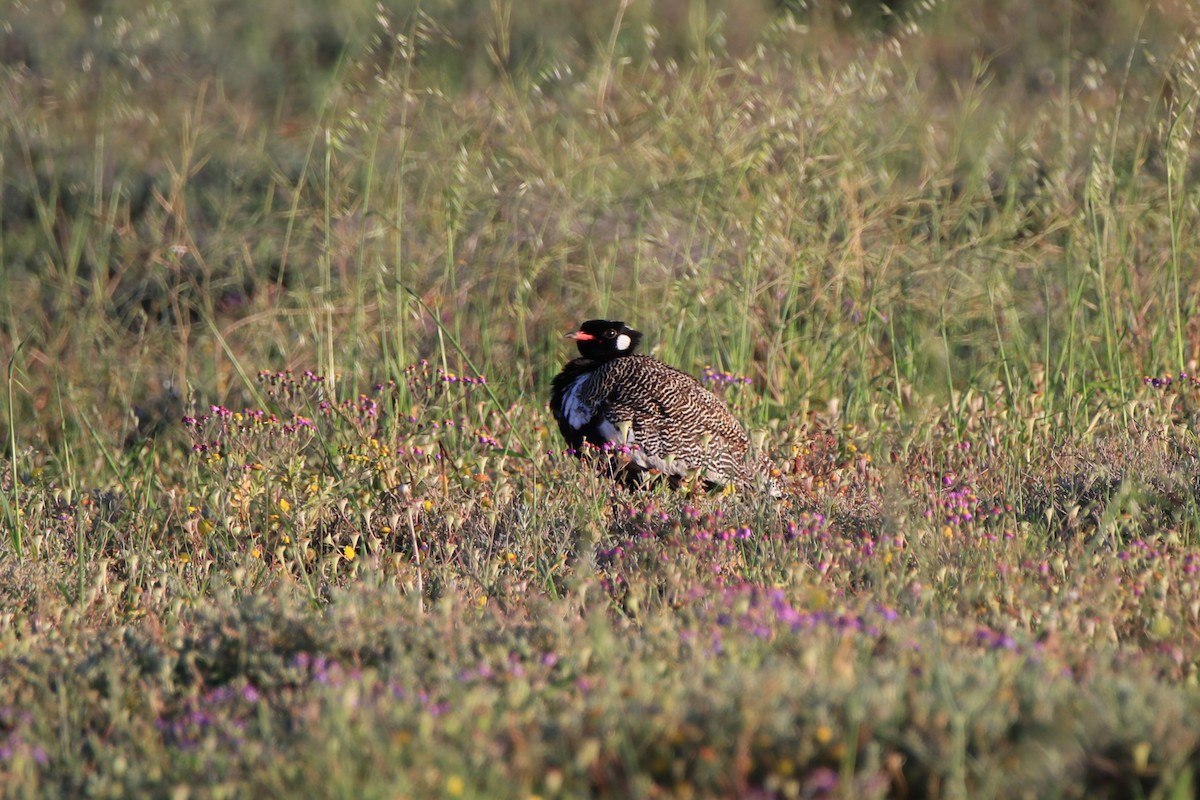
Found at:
(570, 371)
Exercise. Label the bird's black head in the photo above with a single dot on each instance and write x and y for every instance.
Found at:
(602, 339)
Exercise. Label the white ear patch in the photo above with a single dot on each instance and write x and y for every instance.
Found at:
(623, 341)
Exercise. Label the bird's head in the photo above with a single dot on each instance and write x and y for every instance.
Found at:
(603, 339)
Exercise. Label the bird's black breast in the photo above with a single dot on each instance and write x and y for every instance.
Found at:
(564, 382)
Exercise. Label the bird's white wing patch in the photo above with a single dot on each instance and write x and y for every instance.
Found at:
(623, 434)
(576, 411)
(617, 433)
(608, 431)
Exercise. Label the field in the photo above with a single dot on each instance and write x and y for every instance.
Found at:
(282, 289)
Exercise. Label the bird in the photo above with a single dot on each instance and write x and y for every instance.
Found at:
(661, 417)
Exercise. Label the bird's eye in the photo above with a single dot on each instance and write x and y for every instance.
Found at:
(609, 334)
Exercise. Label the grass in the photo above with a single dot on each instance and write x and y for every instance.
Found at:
(284, 511)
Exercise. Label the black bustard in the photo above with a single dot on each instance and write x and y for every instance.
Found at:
(660, 417)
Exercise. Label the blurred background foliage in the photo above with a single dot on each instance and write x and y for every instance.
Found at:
(168, 164)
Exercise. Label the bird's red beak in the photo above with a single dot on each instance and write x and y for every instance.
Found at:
(580, 336)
